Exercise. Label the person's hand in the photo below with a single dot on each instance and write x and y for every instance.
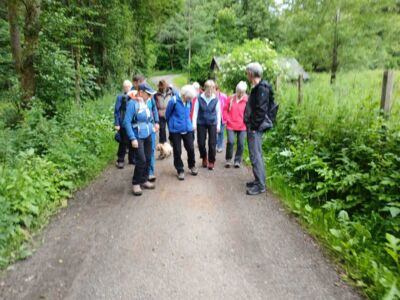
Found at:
(117, 128)
(135, 144)
(194, 128)
(156, 127)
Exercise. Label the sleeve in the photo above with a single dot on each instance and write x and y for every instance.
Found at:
(130, 112)
(117, 112)
(219, 117)
(155, 111)
(169, 109)
(225, 113)
(195, 113)
(261, 107)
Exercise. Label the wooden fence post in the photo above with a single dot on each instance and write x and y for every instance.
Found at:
(277, 84)
(387, 90)
(300, 89)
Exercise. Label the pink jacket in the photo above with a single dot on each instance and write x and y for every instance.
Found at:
(223, 100)
(233, 113)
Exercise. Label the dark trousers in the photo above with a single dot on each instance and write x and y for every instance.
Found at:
(143, 160)
(163, 130)
(241, 135)
(176, 140)
(123, 145)
(202, 131)
(254, 141)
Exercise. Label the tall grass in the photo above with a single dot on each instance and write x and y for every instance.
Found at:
(336, 161)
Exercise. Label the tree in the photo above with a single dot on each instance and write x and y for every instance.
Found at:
(24, 57)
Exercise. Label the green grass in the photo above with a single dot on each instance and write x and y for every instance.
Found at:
(181, 80)
(335, 162)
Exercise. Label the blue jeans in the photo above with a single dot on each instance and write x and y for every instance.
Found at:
(254, 141)
(220, 138)
(241, 135)
(153, 150)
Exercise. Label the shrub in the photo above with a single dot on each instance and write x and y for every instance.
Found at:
(42, 163)
(233, 66)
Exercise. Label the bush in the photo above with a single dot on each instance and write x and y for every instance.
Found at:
(233, 67)
(341, 160)
(42, 163)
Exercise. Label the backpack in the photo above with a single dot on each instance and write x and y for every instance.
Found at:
(273, 107)
(124, 102)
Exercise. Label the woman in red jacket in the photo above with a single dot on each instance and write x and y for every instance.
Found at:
(233, 115)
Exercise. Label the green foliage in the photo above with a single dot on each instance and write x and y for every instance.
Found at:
(339, 162)
(42, 163)
(233, 67)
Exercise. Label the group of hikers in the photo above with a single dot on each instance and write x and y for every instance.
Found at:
(141, 113)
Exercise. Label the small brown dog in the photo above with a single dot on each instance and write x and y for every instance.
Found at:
(165, 150)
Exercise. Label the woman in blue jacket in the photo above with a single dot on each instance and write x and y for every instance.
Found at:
(139, 125)
(180, 128)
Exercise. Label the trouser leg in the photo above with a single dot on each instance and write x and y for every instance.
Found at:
(241, 135)
(177, 150)
(123, 144)
(212, 142)
(254, 140)
(163, 130)
(220, 137)
(229, 144)
(148, 156)
(153, 150)
(189, 147)
(140, 166)
(201, 140)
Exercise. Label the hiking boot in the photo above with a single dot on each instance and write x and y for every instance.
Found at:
(237, 165)
(228, 164)
(204, 163)
(250, 184)
(211, 166)
(148, 185)
(137, 191)
(255, 190)
(120, 164)
(194, 171)
(181, 176)
(152, 178)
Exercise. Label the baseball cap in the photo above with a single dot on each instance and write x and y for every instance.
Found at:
(145, 87)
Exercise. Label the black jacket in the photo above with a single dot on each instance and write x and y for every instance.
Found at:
(257, 106)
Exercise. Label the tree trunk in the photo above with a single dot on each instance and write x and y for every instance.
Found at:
(335, 62)
(76, 53)
(31, 42)
(14, 34)
(24, 57)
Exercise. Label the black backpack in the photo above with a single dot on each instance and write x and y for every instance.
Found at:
(273, 107)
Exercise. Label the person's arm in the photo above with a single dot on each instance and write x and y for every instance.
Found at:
(225, 112)
(117, 113)
(168, 111)
(260, 108)
(219, 117)
(195, 114)
(130, 112)
(155, 111)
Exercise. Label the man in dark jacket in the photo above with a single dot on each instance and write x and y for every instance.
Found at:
(255, 118)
